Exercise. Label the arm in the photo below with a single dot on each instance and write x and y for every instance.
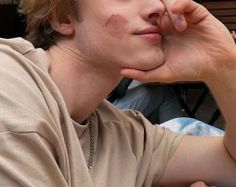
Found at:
(200, 158)
(199, 48)
(210, 159)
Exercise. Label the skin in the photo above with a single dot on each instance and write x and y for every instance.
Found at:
(116, 26)
(90, 54)
(96, 62)
(200, 184)
(233, 35)
(125, 51)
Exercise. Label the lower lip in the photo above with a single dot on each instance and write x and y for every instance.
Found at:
(152, 37)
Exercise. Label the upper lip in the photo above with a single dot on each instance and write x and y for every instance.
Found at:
(149, 30)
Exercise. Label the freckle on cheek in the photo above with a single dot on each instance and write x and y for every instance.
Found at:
(116, 26)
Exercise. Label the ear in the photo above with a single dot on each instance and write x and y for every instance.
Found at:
(64, 27)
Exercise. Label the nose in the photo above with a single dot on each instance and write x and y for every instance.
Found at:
(152, 10)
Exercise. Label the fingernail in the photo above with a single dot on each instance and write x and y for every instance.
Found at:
(180, 23)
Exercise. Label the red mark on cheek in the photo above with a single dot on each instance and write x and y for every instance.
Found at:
(116, 26)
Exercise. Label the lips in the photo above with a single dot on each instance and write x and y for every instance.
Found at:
(152, 34)
(150, 30)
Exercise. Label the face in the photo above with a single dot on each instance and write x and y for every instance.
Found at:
(124, 33)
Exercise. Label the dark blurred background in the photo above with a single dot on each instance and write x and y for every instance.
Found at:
(12, 24)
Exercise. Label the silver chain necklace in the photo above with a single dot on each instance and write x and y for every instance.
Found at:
(92, 150)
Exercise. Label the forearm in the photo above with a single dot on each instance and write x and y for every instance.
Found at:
(223, 87)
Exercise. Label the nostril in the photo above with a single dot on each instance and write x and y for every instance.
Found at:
(153, 18)
(153, 15)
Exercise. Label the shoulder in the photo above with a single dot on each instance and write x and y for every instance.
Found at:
(21, 52)
(23, 88)
(152, 145)
(124, 118)
(134, 124)
(16, 44)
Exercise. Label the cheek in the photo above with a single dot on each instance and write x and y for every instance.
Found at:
(116, 26)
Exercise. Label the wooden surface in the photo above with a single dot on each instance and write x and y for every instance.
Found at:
(225, 11)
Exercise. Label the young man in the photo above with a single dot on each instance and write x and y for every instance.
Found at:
(56, 129)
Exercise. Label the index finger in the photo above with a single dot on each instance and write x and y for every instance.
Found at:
(175, 11)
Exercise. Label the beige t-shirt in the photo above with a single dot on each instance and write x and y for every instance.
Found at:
(40, 145)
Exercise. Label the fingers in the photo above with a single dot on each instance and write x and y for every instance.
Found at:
(177, 18)
(161, 74)
(183, 6)
(182, 12)
(167, 27)
(233, 35)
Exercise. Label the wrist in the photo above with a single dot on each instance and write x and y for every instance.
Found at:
(219, 74)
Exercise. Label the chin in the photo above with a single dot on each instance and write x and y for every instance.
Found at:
(143, 62)
(145, 66)
(150, 66)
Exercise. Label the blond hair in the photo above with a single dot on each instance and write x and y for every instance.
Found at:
(39, 14)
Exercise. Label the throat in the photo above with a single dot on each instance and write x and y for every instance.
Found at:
(82, 84)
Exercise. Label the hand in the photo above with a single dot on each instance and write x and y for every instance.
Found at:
(233, 35)
(200, 184)
(196, 48)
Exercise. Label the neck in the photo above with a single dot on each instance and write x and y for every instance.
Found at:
(82, 84)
